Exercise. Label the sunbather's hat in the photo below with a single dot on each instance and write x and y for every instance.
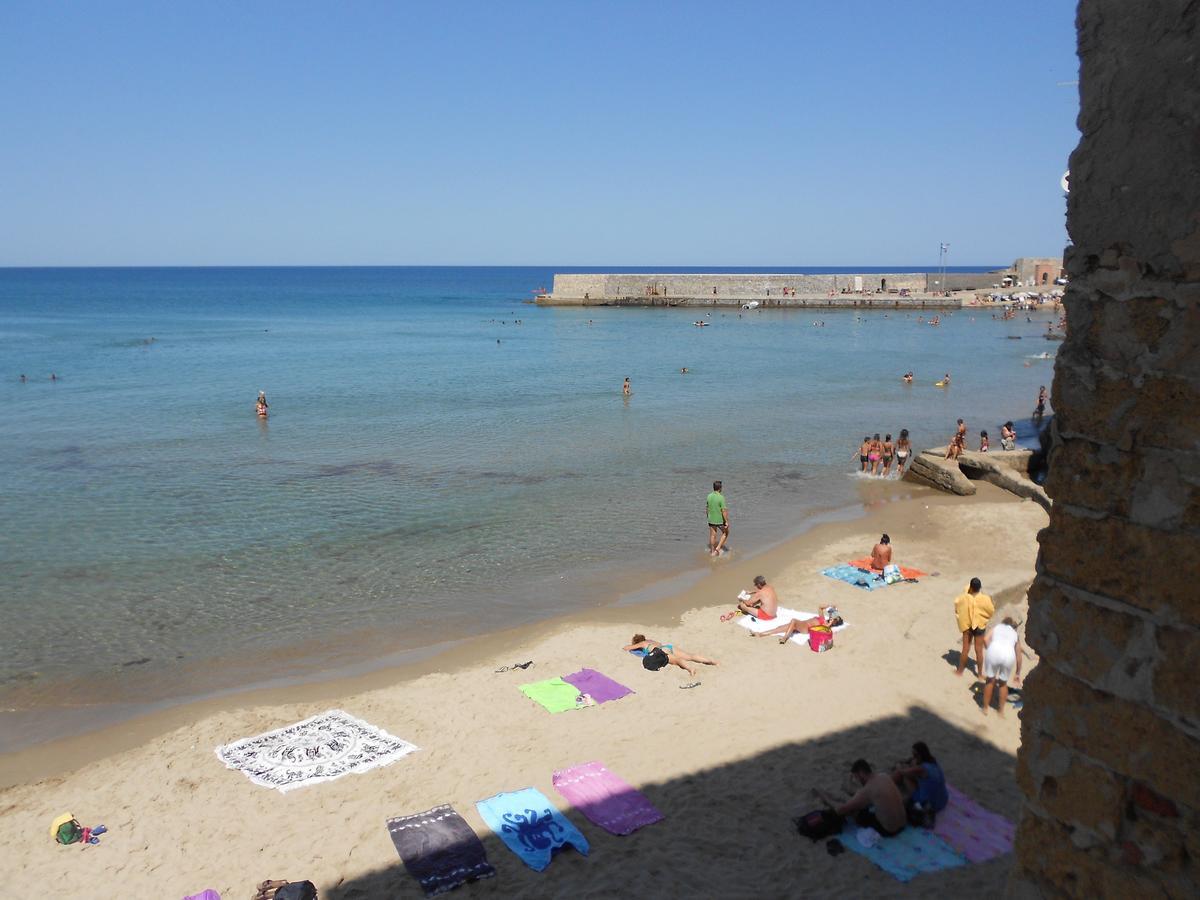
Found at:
(655, 659)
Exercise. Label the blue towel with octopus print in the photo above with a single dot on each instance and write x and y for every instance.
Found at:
(530, 826)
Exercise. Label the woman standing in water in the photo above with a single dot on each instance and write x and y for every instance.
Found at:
(261, 406)
(903, 451)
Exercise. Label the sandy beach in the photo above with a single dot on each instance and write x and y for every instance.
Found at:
(727, 762)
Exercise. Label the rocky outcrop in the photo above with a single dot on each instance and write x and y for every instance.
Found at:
(931, 469)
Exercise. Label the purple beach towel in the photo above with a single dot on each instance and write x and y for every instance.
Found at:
(605, 799)
(599, 687)
(977, 833)
(210, 894)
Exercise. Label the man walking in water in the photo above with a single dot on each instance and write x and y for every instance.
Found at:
(718, 520)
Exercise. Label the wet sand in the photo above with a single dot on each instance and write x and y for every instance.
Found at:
(727, 762)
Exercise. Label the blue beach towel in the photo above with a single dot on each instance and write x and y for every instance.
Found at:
(856, 577)
(530, 825)
(908, 854)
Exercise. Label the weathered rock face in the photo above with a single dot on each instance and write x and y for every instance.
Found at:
(1111, 725)
(930, 469)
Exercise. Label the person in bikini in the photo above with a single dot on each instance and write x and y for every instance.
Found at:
(958, 443)
(260, 405)
(674, 657)
(802, 626)
(874, 453)
(1008, 437)
(903, 451)
(889, 450)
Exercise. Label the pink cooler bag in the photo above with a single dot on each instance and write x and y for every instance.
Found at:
(820, 638)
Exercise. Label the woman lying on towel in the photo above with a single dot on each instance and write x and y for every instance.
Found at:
(828, 617)
(656, 654)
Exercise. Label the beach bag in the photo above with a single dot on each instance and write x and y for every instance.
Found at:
(819, 824)
(66, 829)
(820, 638)
(297, 890)
(891, 573)
(655, 659)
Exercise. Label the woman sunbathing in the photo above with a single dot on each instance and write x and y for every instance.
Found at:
(827, 617)
(673, 657)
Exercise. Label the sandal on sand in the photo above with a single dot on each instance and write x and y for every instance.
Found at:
(730, 615)
(687, 687)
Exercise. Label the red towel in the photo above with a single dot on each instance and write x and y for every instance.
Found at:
(865, 563)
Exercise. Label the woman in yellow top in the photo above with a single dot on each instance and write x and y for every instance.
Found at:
(974, 610)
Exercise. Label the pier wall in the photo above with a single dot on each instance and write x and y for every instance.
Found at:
(727, 287)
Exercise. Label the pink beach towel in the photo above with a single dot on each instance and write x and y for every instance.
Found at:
(977, 833)
(605, 799)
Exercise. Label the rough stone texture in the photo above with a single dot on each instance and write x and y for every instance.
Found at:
(931, 469)
(1111, 724)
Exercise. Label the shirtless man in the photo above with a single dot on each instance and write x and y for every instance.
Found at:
(864, 450)
(881, 553)
(763, 603)
(878, 803)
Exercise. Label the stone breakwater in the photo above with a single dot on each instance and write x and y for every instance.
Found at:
(874, 290)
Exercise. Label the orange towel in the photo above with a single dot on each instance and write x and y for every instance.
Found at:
(865, 563)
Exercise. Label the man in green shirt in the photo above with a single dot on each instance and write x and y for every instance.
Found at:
(718, 520)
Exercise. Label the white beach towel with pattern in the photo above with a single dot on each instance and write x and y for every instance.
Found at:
(320, 748)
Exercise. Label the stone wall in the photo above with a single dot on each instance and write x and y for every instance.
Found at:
(1111, 726)
(749, 287)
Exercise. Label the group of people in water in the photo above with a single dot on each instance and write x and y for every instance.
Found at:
(876, 455)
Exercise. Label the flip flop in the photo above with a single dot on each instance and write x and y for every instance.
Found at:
(688, 687)
(730, 615)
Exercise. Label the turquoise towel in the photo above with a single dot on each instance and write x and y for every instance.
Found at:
(530, 826)
(908, 854)
(856, 577)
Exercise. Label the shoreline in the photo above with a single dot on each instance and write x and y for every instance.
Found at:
(37, 726)
(53, 756)
(760, 728)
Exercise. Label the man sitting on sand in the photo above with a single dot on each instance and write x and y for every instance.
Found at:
(878, 804)
(762, 602)
(674, 657)
(881, 553)
(973, 610)
(827, 617)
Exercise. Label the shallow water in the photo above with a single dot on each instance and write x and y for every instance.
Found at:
(415, 478)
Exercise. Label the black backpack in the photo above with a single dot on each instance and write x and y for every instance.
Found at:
(819, 824)
(655, 659)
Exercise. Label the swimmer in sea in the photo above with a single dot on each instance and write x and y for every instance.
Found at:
(626, 388)
(683, 371)
(260, 405)
(908, 377)
(23, 379)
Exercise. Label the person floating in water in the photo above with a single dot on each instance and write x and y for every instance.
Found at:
(683, 371)
(23, 379)
(908, 377)
(261, 406)
(54, 377)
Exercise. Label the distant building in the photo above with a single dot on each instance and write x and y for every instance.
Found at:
(1036, 271)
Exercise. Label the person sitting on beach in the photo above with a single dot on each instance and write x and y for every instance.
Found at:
(881, 553)
(260, 405)
(983, 442)
(863, 450)
(674, 657)
(922, 782)
(958, 443)
(903, 451)
(878, 803)
(1008, 437)
(1001, 662)
(973, 610)
(762, 602)
(827, 617)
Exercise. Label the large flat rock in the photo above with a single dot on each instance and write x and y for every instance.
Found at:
(932, 470)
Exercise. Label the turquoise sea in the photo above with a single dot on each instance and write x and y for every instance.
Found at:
(442, 459)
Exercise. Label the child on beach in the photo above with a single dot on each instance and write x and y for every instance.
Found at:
(864, 450)
(665, 655)
(983, 442)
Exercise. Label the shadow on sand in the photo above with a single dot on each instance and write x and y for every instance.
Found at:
(728, 830)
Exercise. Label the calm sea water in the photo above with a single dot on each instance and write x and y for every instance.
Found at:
(441, 459)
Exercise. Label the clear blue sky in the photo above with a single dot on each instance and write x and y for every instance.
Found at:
(639, 133)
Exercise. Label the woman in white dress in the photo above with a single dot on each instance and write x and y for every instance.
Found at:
(1001, 662)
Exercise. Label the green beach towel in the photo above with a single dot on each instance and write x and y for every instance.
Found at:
(553, 693)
